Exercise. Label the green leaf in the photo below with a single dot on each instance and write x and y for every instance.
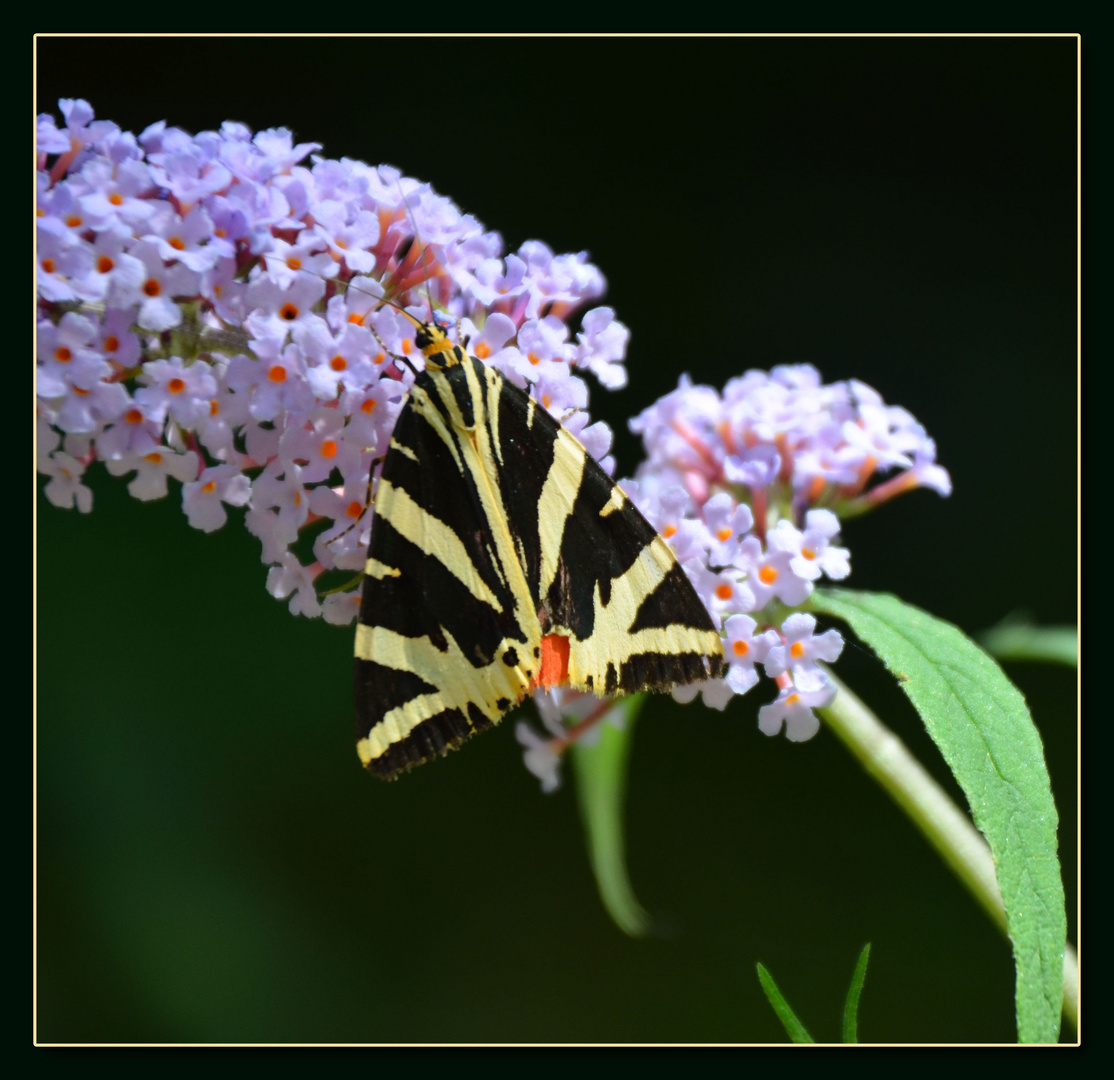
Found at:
(601, 785)
(979, 721)
(794, 1028)
(854, 992)
(1013, 639)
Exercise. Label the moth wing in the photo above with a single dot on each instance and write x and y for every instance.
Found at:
(445, 643)
(597, 571)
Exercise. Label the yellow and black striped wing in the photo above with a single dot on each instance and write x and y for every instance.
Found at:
(493, 528)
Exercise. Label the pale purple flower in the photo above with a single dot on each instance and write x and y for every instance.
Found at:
(152, 470)
(601, 347)
(65, 489)
(203, 499)
(811, 552)
(793, 708)
(800, 651)
(745, 646)
(728, 522)
(291, 579)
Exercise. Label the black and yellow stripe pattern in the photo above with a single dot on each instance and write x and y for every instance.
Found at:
(493, 528)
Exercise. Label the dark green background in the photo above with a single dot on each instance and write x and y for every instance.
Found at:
(213, 863)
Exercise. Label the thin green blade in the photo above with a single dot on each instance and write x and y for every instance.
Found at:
(1013, 640)
(601, 786)
(854, 992)
(793, 1027)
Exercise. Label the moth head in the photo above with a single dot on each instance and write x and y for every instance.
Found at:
(436, 347)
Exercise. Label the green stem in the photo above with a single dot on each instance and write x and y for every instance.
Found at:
(947, 827)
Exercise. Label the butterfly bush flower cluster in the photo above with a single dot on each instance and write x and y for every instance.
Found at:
(211, 311)
(748, 487)
(214, 310)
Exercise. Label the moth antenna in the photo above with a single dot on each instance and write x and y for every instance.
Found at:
(368, 503)
(383, 345)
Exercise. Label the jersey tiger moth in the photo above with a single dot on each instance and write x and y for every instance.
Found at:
(502, 559)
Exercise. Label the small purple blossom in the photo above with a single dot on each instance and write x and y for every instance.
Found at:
(65, 489)
(793, 709)
(152, 470)
(800, 650)
(811, 553)
(203, 499)
(745, 646)
(291, 579)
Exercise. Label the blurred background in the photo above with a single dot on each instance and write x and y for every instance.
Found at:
(213, 863)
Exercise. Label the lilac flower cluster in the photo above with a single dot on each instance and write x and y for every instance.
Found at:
(210, 310)
(748, 486)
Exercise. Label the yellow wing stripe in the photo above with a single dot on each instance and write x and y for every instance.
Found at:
(558, 497)
(434, 537)
(617, 501)
(404, 450)
(494, 387)
(378, 570)
(428, 412)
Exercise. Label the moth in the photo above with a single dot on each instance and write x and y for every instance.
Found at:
(502, 559)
